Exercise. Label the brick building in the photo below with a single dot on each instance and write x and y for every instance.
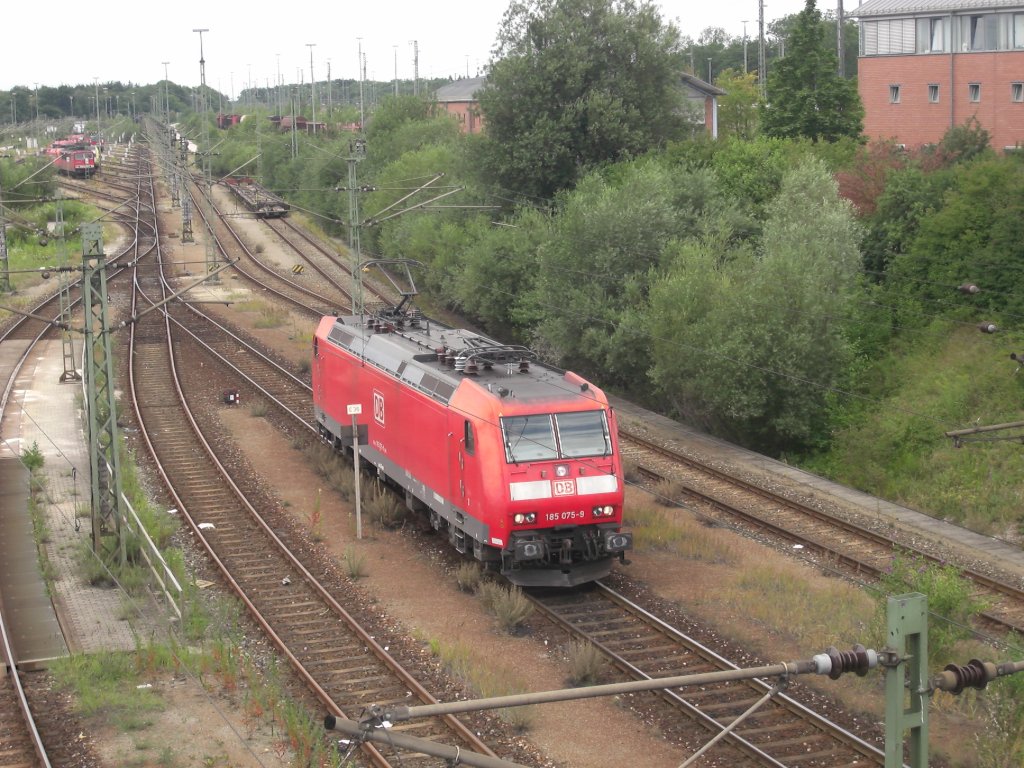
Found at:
(459, 100)
(928, 65)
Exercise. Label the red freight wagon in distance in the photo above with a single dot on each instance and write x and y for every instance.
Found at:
(516, 461)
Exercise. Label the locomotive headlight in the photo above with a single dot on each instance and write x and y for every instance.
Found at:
(519, 518)
(609, 510)
(562, 470)
(605, 511)
(531, 517)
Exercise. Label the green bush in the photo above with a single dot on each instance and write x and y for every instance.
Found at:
(951, 601)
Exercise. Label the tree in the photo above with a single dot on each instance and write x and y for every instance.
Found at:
(752, 342)
(806, 96)
(576, 84)
(737, 109)
(607, 242)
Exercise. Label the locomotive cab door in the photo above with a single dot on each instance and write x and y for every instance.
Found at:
(462, 447)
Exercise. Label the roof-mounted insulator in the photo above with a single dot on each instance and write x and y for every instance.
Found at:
(524, 366)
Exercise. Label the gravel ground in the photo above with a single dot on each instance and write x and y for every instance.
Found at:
(409, 598)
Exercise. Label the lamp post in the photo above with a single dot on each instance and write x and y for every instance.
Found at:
(744, 46)
(278, 83)
(709, 69)
(167, 97)
(312, 81)
(202, 61)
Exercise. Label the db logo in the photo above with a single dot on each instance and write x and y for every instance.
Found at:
(564, 487)
(378, 407)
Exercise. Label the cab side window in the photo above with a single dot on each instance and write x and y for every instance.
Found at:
(469, 440)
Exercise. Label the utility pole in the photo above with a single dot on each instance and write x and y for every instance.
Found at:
(362, 117)
(202, 60)
(312, 81)
(415, 67)
(96, 87)
(70, 373)
(5, 271)
(167, 95)
(761, 65)
(211, 246)
(295, 145)
(356, 152)
(839, 39)
(745, 68)
(108, 506)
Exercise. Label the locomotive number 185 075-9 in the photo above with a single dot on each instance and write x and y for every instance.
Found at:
(564, 517)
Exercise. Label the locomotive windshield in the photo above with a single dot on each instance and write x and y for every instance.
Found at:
(544, 437)
(583, 434)
(529, 438)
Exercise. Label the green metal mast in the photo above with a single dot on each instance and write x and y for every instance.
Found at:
(906, 680)
(5, 273)
(70, 372)
(356, 151)
(108, 506)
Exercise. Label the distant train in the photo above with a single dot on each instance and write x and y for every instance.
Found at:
(517, 462)
(76, 162)
(261, 201)
(75, 155)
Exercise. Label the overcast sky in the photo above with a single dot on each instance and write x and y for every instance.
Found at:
(65, 43)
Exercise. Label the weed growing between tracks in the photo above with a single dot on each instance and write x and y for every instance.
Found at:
(660, 529)
(459, 661)
(131, 690)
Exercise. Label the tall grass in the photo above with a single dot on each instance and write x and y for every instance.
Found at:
(896, 449)
(659, 529)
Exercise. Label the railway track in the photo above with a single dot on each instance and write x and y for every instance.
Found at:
(784, 733)
(232, 246)
(791, 737)
(834, 542)
(21, 745)
(337, 659)
(30, 738)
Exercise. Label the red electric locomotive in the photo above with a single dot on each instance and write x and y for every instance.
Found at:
(76, 162)
(516, 461)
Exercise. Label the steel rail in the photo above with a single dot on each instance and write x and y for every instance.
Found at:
(365, 638)
(666, 634)
(833, 553)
